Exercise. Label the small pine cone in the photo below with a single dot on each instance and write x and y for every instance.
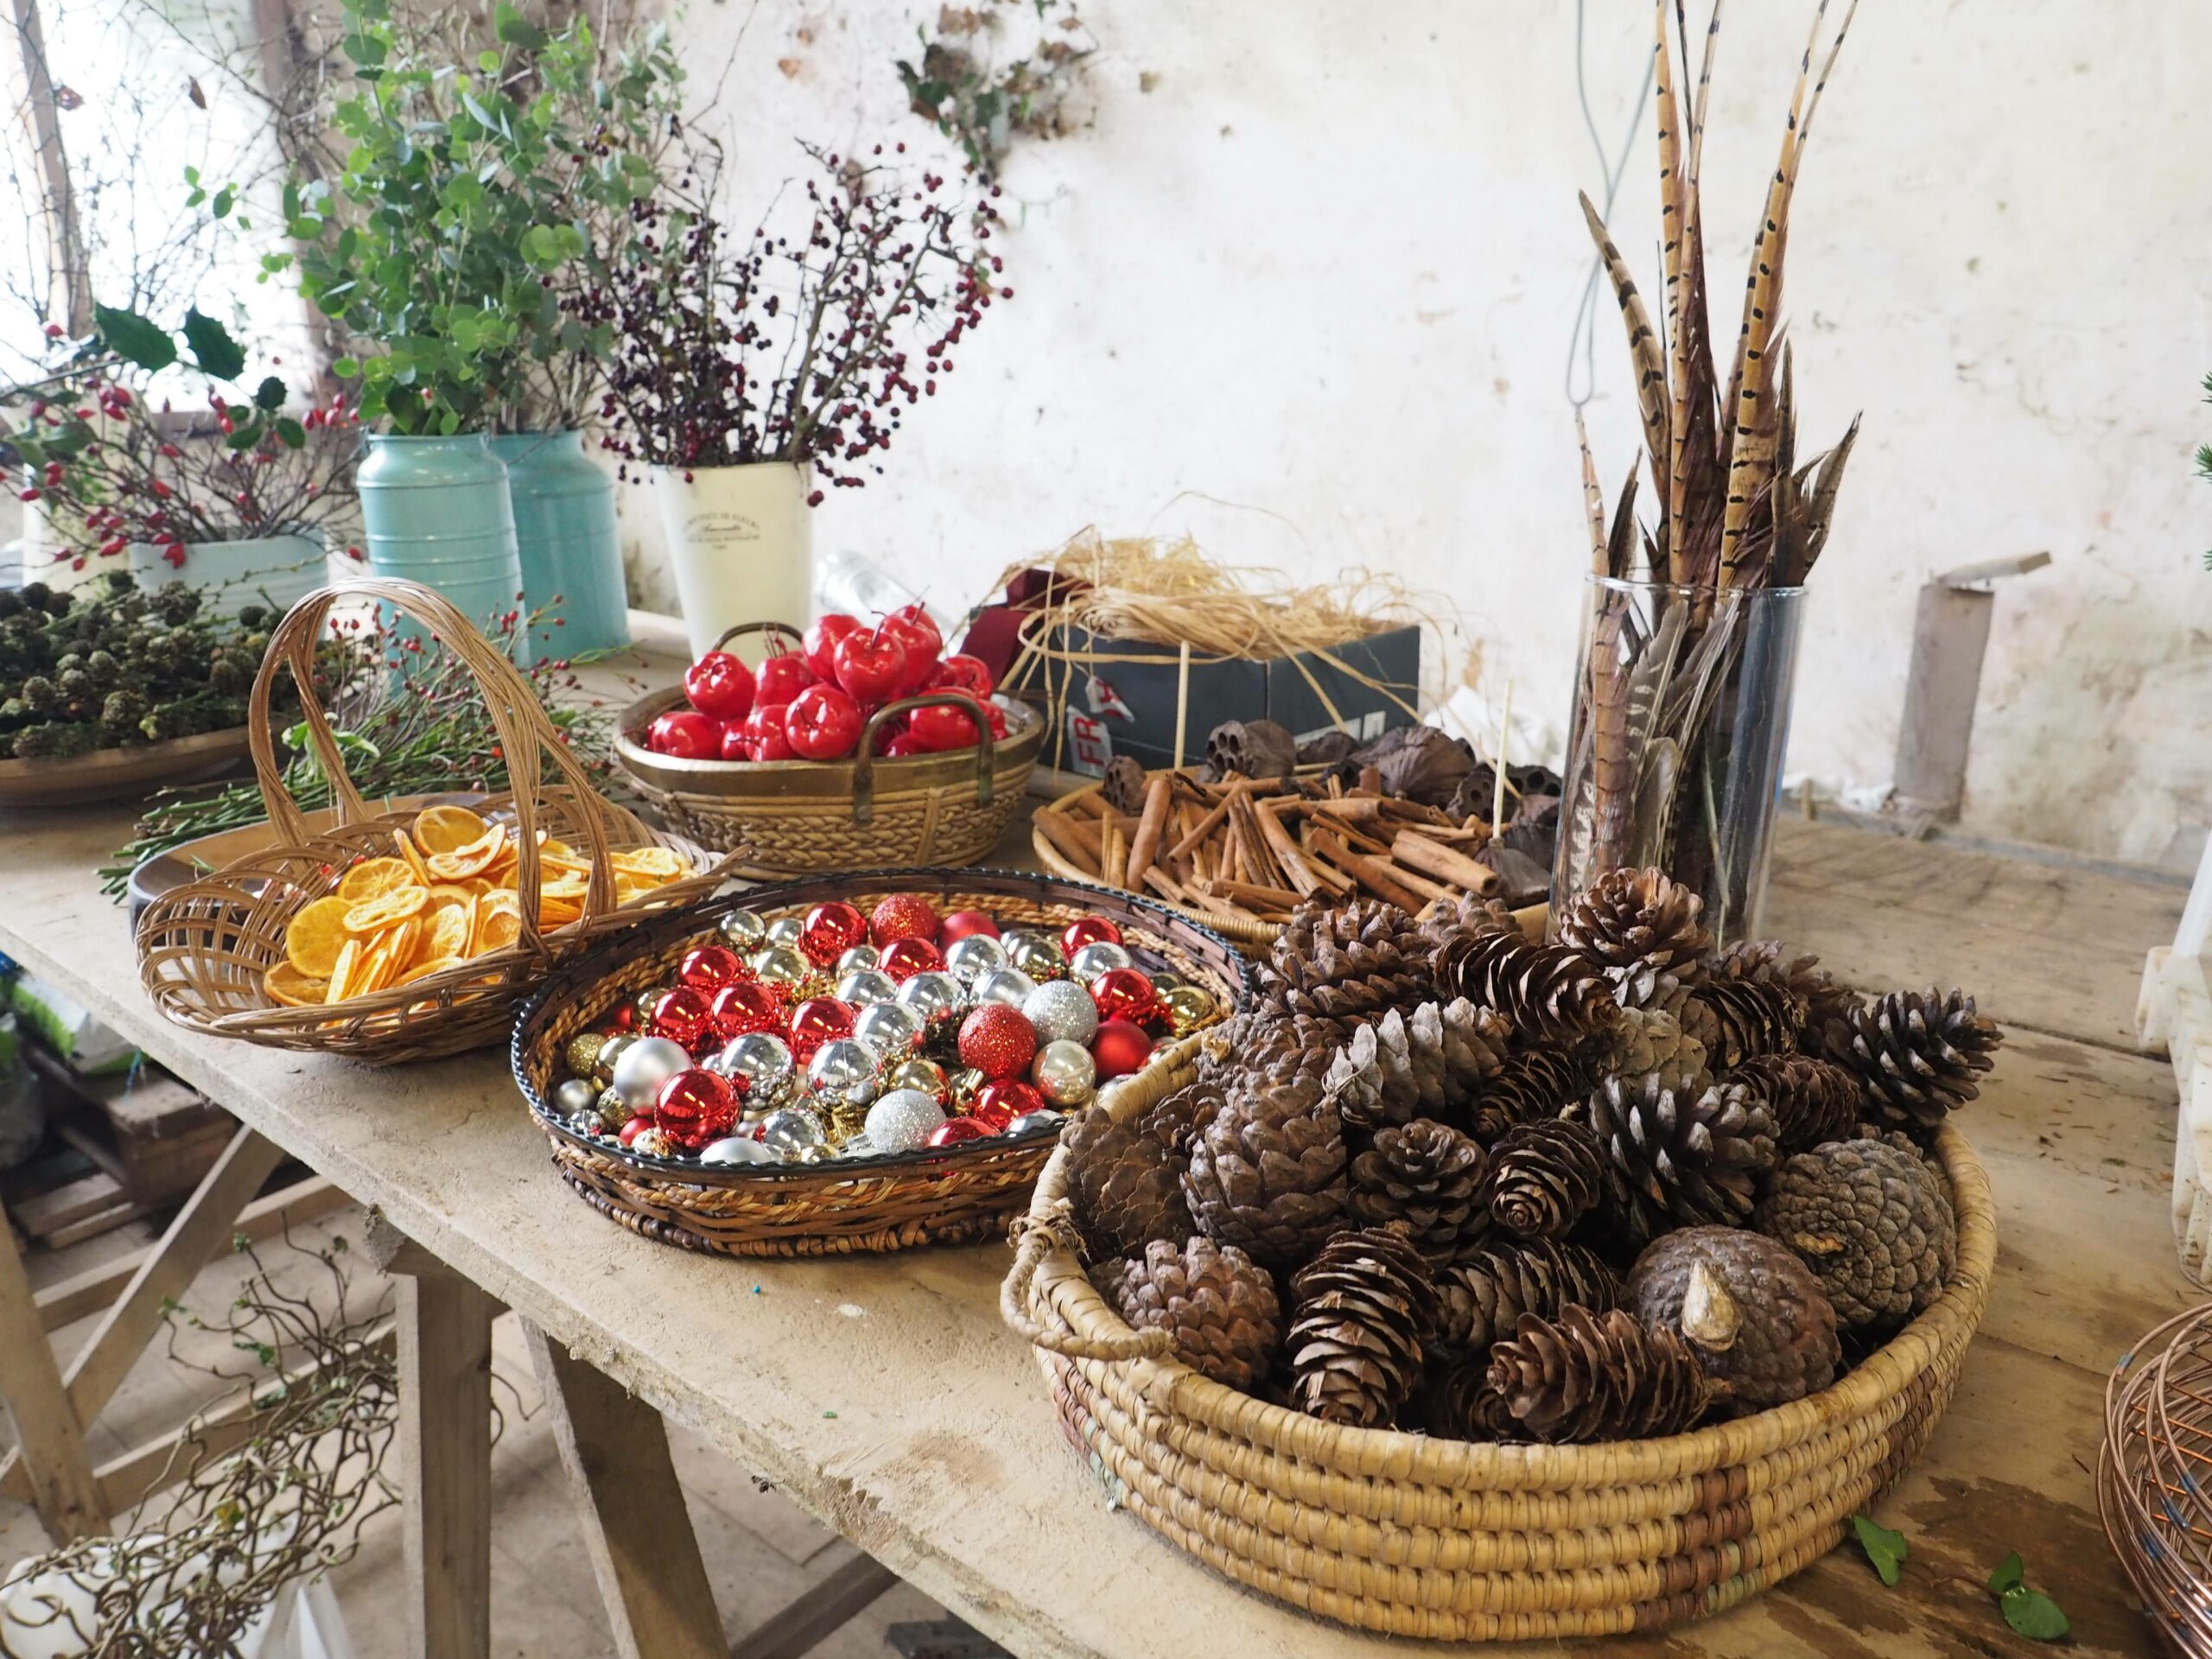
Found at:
(1458, 1403)
(1126, 1177)
(1591, 1376)
(1431, 1177)
(1545, 1177)
(1548, 992)
(1650, 1042)
(1916, 1055)
(1812, 1100)
(1638, 927)
(1217, 1304)
(1535, 1084)
(1363, 1311)
(1749, 1017)
(1398, 1069)
(1482, 1297)
(1267, 1172)
(1679, 1158)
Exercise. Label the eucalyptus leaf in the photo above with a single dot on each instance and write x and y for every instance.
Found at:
(1885, 1549)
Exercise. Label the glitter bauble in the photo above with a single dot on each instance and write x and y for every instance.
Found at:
(1122, 994)
(782, 966)
(785, 929)
(998, 1103)
(842, 1070)
(918, 1073)
(583, 1053)
(903, 1120)
(654, 1142)
(830, 931)
(1063, 1012)
(1007, 985)
(1064, 1073)
(902, 916)
(744, 929)
(1099, 958)
(958, 1131)
(613, 1114)
(997, 1040)
(746, 1005)
(966, 925)
(815, 1021)
(680, 1015)
(1038, 957)
(860, 956)
(644, 1065)
(930, 995)
(1188, 1007)
(695, 1106)
(866, 987)
(1087, 931)
(759, 1059)
(577, 1095)
(736, 1149)
(791, 1132)
(1120, 1046)
(1036, 1123)
(968, 960)
(889, 1028)
(903, 958)
(710, 967)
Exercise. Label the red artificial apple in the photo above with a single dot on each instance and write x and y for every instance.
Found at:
(685, 735)
(872, 665)
(822, 723)
(782, 677)
(823, 639)
(720, 685)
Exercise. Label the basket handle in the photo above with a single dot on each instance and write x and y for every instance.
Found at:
(784, 628)
(526, 735)
(864, 757)
(1034, 1237)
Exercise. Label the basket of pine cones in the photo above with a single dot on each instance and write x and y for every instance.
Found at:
(1471, 1287)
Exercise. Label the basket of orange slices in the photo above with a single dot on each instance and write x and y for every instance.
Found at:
(407, 936)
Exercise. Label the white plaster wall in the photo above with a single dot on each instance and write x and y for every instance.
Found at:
(1323, 273)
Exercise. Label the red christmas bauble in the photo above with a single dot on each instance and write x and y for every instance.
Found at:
(903, 958)
(1120, 1046)
(961, 923)
(695, 1106)
(999, 1102)
(954, 1130)
(745, 1005)
(997, 1040)
(1124, 994)
(830, 931)
(1089, 930)
(634, 1128)
(902, 916)
(681, 1015)
(815, 1021)
(710, 967)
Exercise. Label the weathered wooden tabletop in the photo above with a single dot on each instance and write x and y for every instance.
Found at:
(883, 1394)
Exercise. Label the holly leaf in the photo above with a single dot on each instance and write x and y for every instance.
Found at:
(133, 339)
(1885, 1548)
(270, 394)
(2008, 1576)
(2032, 1614)
(213, 348)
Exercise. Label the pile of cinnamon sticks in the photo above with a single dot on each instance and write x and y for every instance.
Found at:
(1251, 848)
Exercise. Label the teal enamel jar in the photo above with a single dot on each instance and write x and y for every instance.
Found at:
(435, 510)
(571, 550)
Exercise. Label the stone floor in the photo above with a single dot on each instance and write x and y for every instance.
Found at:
(760, 1550)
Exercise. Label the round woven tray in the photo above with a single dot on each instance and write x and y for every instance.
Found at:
(1447, 1541)
(955, 1195)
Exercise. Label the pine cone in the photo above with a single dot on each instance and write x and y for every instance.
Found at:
(1650, 1042)
(1811, 1100)
(1396, 1069)
(1482, 1297)
(1591, 1377)
(1535, 1084)
(1871, 1222)
(1754, 1314)
(1679, 1158)
(1749, 1017)
(1545, 1177)
(1345, 965)
(1547, 991)
(1268, 1170)
(1218, 1305)
(1636, 925)
(1126, 1177)
(1431, 1177)
(1363, 1311)
(1916, 1055)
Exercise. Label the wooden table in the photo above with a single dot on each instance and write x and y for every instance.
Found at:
(882, 1395)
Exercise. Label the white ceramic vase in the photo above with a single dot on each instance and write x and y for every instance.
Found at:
(741, 543)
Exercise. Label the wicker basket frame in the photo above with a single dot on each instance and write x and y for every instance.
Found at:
(954, 1195)
(1443, 1540)
(203, 947)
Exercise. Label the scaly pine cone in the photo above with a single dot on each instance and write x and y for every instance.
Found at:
(1749, 1017)
(1812, 1100)
(1589, 1376)
(1431, 1177)
(1363, 1311)
(1535, 1084)
(1548, 992)
(1398, 1069)
(1545, 1177)
(1916, 1055)
(1126, 1177)
(1217, 1304)
(1681, 1159)
(1482, 1298)
(1345, 965)
(1268, 1170)
(1638, 927)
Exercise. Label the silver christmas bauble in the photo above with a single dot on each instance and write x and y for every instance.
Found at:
(969, 959)
(573, 1096)
(744, 929)
(930, 994)
(786, 929)
(1036, 955)
(762, 1059)
(644, 1065)
(1094, 959)
(925, 1075)
(791, 1132)
(1062, 1011)
(860, 956)
(1032, 1122)
(842, 1070)
(889, 1028)
(1064, 1073)
(1007, 985)
(903, 1120)
(736, 1149)
(781, 965)
(866, 987)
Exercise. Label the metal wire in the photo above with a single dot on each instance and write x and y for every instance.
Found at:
(2154, 1475)
(1584, 334)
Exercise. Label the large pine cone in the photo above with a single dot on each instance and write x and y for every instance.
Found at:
(1363, 1311)
(1431, 1177)
(1640, 928)
(1871, 1222)
(1753, 1314)
(1535, 1084)
(1398, 1069)
(1126, 1177)
(1682, 1159)
(1346, 965)
(1916, 1054)
(1545, 1177)
(1743, 1018)
(1548, 992)
(1268, 1170)
(1651, 1042)
(1812, 1100)
(1592, 1376)
(1482, 1297)
(1217, 1304)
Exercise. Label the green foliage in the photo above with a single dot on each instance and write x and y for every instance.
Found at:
(1885, 1548)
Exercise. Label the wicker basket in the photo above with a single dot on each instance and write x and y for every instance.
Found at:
(955, 1195)
(1442, 1540)
(784, 818)
(204, 947)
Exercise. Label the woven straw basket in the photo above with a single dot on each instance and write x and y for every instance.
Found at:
(204, 947)
(949, 1196)
(784, 818)
(1438, 1539)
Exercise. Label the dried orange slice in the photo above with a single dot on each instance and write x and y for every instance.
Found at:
(657, 864)
(394, 906)
(445, 932)
(372, 878)
(412, 858)
(473, 859)
(448, 829)
(288, 987)
(312, 940)
(343, 973)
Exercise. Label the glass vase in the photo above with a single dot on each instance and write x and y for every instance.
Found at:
(1681, 718)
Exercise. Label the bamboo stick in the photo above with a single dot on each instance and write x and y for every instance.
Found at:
(1433, 858)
